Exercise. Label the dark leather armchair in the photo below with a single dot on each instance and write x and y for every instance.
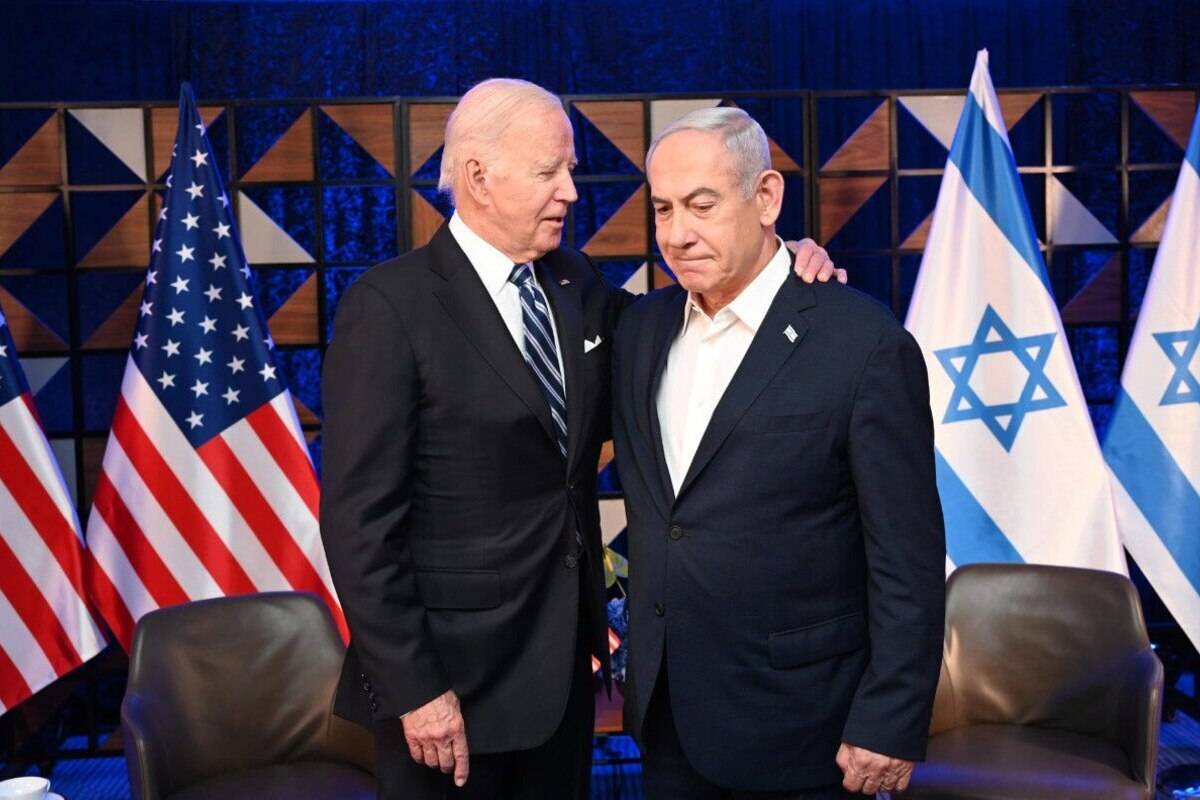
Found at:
(1049, 689)
(231, 698)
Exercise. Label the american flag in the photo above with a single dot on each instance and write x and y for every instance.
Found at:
(614, 642)
(206, 487)
(46, 628)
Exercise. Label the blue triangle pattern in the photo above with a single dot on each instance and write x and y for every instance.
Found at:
(46, 298)
(258, 129)
(17, 126)
(43, 244)
(596, 153)
(90, 161)
(343, 157)
(95, 213)
(105, 290)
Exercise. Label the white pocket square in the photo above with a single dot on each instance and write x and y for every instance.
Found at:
(590, 345)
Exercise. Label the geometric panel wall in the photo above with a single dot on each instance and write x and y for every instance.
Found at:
(323, 191)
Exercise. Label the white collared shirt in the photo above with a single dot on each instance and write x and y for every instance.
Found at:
(494, 268)
(703, 358)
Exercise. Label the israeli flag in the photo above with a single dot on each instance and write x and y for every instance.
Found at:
(1153, 440)
(1019, 470)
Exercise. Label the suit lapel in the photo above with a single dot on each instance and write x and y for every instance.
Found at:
(568, 322)
(669, 323)
(768, 351)
(468, 304)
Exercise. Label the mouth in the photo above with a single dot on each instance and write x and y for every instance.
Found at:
(555, 221)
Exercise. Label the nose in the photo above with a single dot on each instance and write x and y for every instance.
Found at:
(566, 189)
(679, 233)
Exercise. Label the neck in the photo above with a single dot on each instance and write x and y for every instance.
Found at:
(712, 302)
(483, 227)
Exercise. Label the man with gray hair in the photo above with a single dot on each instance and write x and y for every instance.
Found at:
(785, 533)
(466, 396)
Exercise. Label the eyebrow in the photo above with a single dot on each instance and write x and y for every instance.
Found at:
(692, 195)
(551, 164)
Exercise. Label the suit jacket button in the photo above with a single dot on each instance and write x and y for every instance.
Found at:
(676, 532)
(570, 560)
(659, 610)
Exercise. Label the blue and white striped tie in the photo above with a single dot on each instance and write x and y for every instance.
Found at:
(540, 353)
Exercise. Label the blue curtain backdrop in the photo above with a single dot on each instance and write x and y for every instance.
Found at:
(127, 50)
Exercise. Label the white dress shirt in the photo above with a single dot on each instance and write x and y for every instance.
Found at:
(703, 359)
(494, 268)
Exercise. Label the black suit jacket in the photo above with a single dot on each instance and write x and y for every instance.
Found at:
(447, 511)
(796, 583)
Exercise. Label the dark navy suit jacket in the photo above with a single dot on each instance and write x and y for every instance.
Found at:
(795, 586)
(447, 511)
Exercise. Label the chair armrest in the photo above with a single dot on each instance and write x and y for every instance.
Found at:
(945, 706)
(350, 743)
(143, 751)
(1140, 715)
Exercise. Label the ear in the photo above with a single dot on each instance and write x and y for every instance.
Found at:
(768, 195)
(474, 175)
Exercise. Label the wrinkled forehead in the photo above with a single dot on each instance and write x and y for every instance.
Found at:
(543, 135)
(689, 161)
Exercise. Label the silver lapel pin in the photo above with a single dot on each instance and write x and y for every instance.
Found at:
(790, 333)
(564, 282)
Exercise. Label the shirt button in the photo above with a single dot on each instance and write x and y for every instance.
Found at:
(659, 610)
(676, 532)
(570, 560)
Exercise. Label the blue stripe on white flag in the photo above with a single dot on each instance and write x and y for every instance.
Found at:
(972, 536)
(1193, 152)
(1157, 485)
(990, 172)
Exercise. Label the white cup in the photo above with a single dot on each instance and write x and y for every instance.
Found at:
(28, 788)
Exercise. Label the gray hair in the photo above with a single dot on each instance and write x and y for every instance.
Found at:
(482, 116)
(740, 134)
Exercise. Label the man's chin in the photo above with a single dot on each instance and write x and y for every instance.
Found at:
(690, 281)
(549, 242)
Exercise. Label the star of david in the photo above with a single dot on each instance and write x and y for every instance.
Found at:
(1002, 419)
(1183, 386)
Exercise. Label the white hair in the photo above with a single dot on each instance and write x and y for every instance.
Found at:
(482, 116)
(740, 134)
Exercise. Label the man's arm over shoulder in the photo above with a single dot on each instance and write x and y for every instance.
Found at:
(370, 395)
(892, 463)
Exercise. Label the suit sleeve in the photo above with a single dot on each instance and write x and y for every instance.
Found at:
(370, 392)
(891, 460)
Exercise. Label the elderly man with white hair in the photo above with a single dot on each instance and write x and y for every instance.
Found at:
(466, 395)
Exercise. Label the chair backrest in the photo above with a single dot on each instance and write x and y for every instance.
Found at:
(1038, 645)
(234, 682)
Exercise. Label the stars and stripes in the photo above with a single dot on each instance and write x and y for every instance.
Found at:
(1019, 469)
(614, 642)
(46, 627)
(206, 487)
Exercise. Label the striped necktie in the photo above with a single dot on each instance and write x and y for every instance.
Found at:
(540, 353)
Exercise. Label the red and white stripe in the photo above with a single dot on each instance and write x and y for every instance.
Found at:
(46, 626)
(172, 523)
(614, 642)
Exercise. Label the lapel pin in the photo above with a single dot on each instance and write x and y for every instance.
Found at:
(790, 333)
(564, 282)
